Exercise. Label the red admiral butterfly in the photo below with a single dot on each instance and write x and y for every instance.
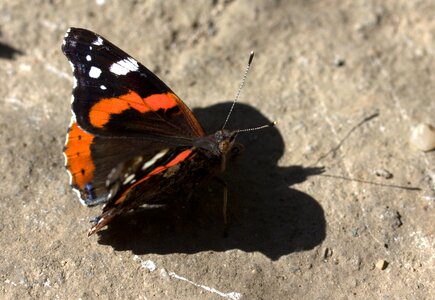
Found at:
(131, 139)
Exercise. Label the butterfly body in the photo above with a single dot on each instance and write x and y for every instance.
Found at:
(131, 140)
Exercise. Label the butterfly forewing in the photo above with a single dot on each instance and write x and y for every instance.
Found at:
(112, 87)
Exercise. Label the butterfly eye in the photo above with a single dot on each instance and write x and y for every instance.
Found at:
(219, 136)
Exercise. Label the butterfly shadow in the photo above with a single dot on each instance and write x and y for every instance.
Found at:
(264, 214)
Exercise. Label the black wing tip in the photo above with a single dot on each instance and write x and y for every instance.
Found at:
(75, 34)
(76, 31)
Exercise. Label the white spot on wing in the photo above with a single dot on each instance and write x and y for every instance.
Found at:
(94, 72)
(154, 159)
(103, 87)
(98, 42)
(124, 66)
(88, 57)
(128, 179)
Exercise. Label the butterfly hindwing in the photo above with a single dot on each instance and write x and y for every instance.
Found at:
(142, 181)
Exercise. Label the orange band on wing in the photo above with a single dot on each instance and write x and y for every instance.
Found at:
(78, 154)
(101, 111)
(179, 158)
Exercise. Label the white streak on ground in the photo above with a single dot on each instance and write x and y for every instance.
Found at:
(7, 281)
(230, 295)
(151, 266)
(57, 72)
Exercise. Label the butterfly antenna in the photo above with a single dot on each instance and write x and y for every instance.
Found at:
(242, 83)
(271, 124)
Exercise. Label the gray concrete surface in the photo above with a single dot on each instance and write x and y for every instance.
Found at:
(321, 67)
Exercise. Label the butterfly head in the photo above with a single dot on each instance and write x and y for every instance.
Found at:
(219, 143)
(224, 140)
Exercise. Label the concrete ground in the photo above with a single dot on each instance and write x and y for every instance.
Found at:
(333, 203)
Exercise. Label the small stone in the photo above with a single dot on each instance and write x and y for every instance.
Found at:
(149, 265)
(327, 253)
(383, 173)
(255, 269)
(164, 274)
(339, 62)
(355, 232)
(381, 264)
(423, 137)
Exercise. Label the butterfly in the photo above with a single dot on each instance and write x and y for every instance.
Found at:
(131, 140)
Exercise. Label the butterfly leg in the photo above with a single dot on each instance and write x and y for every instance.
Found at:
(225, 203)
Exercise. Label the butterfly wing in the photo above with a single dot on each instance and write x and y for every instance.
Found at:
(112, 87)
(121, 111)
(136, 181)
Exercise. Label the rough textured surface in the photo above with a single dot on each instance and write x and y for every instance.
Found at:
(321, 68)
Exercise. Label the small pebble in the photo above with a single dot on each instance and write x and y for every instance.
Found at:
(384, 173)
(339, 62)
(164, 274)
(423, 137)
(327, 254)
(149, 265)
(381, 264)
